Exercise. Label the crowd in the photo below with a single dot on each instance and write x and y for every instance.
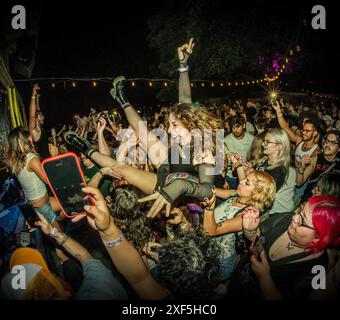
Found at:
(182, 209)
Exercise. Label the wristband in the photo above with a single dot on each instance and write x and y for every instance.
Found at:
(114, 243)
(183, 69)
(33, 97)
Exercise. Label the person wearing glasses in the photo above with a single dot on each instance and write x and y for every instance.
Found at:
(292, 244)
(312, 167)
(306, 144)
(276, 162)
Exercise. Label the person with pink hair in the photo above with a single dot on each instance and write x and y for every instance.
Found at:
(286, 247)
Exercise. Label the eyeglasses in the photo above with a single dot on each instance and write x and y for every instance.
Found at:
(331, 142)
(266, 142)
(301, 222)
(307, 130)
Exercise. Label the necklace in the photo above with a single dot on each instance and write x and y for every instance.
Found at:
(240, 202)
(290, 246)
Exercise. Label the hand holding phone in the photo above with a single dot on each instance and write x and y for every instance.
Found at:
(66, 180)
(29, 213)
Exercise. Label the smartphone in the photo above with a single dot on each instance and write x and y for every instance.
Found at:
(29, 213)
(66, 179)
(256, 247)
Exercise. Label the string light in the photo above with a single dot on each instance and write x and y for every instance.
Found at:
(192, 85)
(165, 84)
(150, 84)
(133, 84)
(94, 84)
(73, 84)
(53, 85)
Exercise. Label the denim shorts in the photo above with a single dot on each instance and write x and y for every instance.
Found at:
(47, 212)
(227, 266)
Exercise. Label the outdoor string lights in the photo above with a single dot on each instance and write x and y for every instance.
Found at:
(166, 83)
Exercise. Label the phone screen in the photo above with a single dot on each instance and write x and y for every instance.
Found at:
(66, 181)
(29, 213)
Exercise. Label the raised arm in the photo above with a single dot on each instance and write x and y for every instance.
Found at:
(124, 256)
(102, 144)
(138, 125)
(284, 125)
(32, 122)
(184, 88)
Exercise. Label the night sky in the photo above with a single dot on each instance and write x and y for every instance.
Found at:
(99, 38)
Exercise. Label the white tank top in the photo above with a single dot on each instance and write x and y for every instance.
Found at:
(299, 153)
(33, 187)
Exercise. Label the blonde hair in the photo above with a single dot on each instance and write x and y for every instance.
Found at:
(194, 117)
(264, 191)
(18, 147)
(281, 137)
(255, 154)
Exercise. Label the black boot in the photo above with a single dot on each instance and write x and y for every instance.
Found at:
(80, 144)
(117, 92)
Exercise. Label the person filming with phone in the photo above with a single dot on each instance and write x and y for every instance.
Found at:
(293, 243)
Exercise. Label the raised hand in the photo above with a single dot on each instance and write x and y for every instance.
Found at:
(184, 52)
(277, 106)
(305, 161)
(98, 214)
(236, 160)
(250, 219)
(35, 89)
(210, 203)
(44, 225)
(158, 204)
(101, 125)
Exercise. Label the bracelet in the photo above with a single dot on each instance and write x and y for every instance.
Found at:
(54, 233)
(114, 243)
(64, 239)
(279, 114)
(249, 231)
(209, 209)
(300, 171)
(183, 69)
(33, 97)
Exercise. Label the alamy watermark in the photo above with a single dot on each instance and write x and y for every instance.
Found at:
(19, 19)
(192, 147)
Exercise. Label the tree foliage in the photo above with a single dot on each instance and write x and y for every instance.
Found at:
(228, 40)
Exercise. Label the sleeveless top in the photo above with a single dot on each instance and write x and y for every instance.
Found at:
(42, 145)
(223, 212)
(31, 184)
(299, 153)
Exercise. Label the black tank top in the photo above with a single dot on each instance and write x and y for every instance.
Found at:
(42, 145)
